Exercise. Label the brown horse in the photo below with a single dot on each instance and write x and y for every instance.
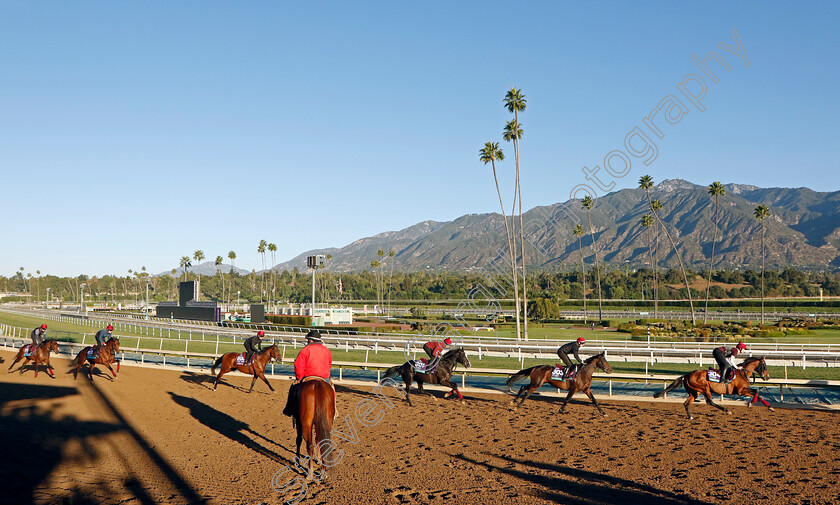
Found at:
(442, 374)
(696, 383)
(107, 355)
(315, 410)
(256, 368)
(541, 374)
(41, 355)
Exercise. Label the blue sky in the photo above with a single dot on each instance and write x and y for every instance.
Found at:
(134, 133)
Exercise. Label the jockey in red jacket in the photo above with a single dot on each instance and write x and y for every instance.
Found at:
(314, 360)
(435, 349)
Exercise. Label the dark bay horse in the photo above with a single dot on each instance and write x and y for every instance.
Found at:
(41, 355)
(696, 382)
(541, 374)
(256, 368)
(315, 411)
(107, 355)
(442, 375)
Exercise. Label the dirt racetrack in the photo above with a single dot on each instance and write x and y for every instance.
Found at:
(163, 436)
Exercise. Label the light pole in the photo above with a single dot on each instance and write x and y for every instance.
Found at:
(48, 297)
(82, 297)
(147, 297)
(237, 300)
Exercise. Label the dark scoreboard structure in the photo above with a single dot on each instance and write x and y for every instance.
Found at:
(188, 308)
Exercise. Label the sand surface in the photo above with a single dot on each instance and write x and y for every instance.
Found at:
(163, 436)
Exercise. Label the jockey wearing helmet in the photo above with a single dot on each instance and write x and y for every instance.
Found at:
(435, 349)
(37, 335)
(102, 336)
(572, 347)
(253, 345)
(726, 359)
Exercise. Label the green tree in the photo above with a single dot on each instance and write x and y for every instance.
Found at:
(232, 257)
(578, 231)
(218, 264)
(273, 249)
(716, 190)
(646, 182)
(761, 212)
(515, 103)
(491, 153)
(587, 204)
(512, 133)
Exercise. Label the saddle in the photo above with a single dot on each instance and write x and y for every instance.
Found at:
(93, 353)
(563, 373)
(422, 365)
(240, 359)
(29, 349)
(294, 393)
(713, 375)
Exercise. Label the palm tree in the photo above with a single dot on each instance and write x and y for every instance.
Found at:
(261, 249)
(375, 265)
(198, 256)
(761, 212)
(273, 249)
(716, 189)
(512, 133)
(646, 182)
(578, 231)
(647, 222)
(391, 254)
(232, 257)
(588, 203)
(515, 103)
(381, 279)
(218, 264)
(490, 154)
(185, 263)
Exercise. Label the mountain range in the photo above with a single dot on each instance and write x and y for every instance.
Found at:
(803, 231)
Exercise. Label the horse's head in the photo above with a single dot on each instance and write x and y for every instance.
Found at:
(114, 344)
(756, 366)
(52, 345)
(273, 352)
(459, 356)
(600, 361)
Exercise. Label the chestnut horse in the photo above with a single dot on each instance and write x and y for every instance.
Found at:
(315, 410)
(41, 355)
(107, 355)
(541, 374)
(442, 374)
(256, 368)
(696, 382)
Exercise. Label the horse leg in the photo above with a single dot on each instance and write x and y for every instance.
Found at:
(17, 358)
(592, 397)
(692, 396)
(36, 367)
(23, 365)
(253, 380)
(50, 369)
(566, 400)
(448, 383)
(711, 402)
(222, 371)
(108, 364)
(262, 376)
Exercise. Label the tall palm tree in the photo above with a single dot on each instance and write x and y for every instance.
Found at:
(391, 254)
(218, 264)
(273, 249)
(761, 212)
(587, 204)
(646, 182)
(232, 257)
(716, 190)
(375, 265)
(261, 249)
(185, 263)
(198, 256)
(381, 281)
(491, 153)
(515, 103)
(578, 231)
(512, 133)
(647, 222)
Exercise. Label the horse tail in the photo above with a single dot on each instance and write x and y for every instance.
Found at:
(677, 383)
(322, 420)
(216, 364)
(391, 372)
(517, 376)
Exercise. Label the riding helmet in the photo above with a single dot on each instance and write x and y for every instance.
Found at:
(260, 333)
(448, 341)
(581, 340)
(110, 328)
(741, 346)
(43, 326)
